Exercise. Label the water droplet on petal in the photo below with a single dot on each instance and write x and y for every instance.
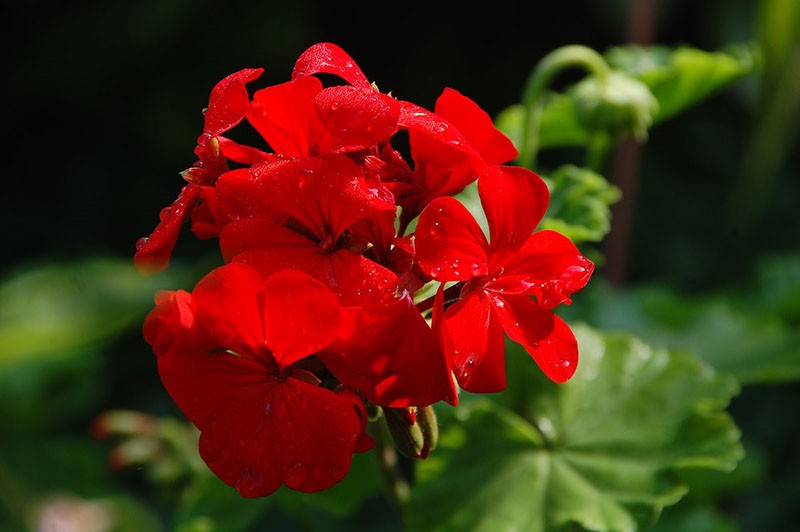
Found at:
(475, 269)
(296, 475)
(436, 272)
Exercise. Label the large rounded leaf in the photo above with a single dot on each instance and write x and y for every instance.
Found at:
(599, 451)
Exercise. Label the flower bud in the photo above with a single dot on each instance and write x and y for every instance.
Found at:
(618, 104)
(414, 430)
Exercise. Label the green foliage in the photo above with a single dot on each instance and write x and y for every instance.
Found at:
(579, 204)
(601, 452)
(682, 77)
(678, 78)
(750, 333)
(54, 321)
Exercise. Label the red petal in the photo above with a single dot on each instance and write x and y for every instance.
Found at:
(228, 102)
(171, 324)
(477, 345)
(388, 353)
(152, 253)
(269, 247)
(359, 117)
(287, 119)
(450, 245)
(514, 200)
(242, 154)
(327, 58)
(418, 120)
(325, 194)
(301, 315)
(241, 197)
(259, 432)
(357, 280)
(493, 146)
(546, 337)
(228, 309)
(548, 266)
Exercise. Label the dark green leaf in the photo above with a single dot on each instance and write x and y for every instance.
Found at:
(600, 451)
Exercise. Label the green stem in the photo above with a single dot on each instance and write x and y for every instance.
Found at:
(543, 74)
(597, 150)
(399, 488)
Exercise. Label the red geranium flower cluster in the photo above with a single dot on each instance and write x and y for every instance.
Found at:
(275, 355)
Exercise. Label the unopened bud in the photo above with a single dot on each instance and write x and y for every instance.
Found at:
(414, 430)
(619, 104)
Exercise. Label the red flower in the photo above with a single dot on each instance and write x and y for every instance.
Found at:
(389, 354)
(231, 354)
(498, 276)
(227, 107)
(444, 170)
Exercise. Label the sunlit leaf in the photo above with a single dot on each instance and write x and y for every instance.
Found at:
(684, 76)
(600, 451)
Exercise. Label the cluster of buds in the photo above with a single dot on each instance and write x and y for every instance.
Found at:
(331, 237)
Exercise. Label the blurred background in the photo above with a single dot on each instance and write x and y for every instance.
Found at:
(103, 107)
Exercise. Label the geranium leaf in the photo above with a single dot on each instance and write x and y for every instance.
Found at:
(684, 76)
(678, 78)
(580, 203)
(600, 451)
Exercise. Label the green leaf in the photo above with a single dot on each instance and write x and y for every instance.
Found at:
(684, 76)
(736, 334)
(580, 204)
(678, 78)
(559, 125)
(600, 451)
(57, 308)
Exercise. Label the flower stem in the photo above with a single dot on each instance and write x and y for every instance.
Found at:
(543, 74)
(399, 488)
(450, 294)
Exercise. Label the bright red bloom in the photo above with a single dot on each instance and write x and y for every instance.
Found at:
(450, 146)
(499, 276)
(390, 354)
(444, 170)
(231, 354)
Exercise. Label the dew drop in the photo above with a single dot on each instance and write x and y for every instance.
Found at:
(295, 475)
(436, 272)
(475, 269)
